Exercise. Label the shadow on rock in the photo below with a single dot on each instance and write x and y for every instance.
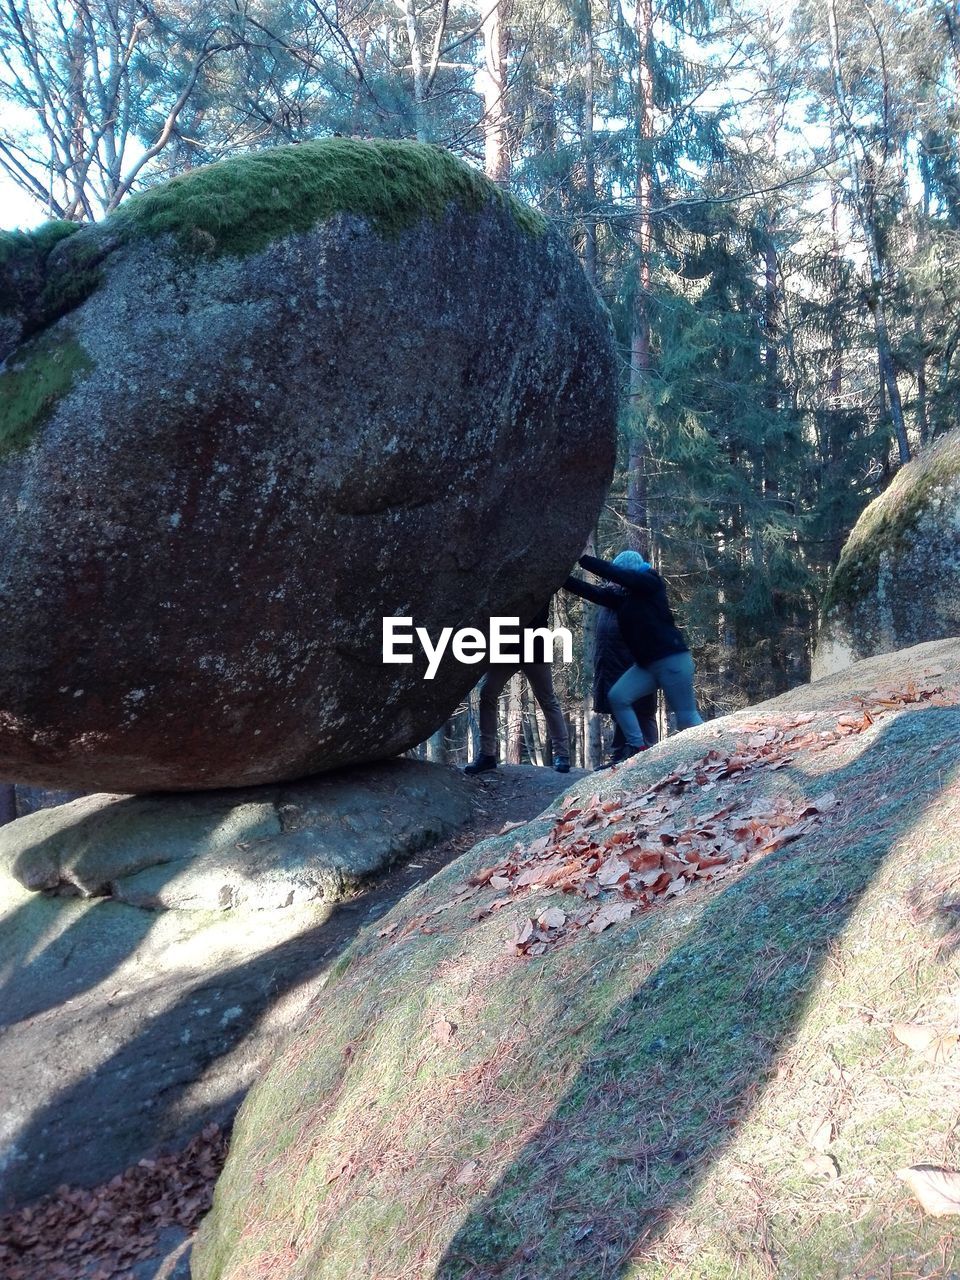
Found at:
(186, 1065)
(128, 1027)
(683, 1060)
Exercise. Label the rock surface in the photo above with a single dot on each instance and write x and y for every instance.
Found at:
(616, 1104)
(898, 579)
(298, 391)
(123, 1028)
(263, 848)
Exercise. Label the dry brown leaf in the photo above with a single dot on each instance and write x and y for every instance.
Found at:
(536, 875)
(915, 1035)
(524, 932)
(338, 1170)
(822, 1166)
(609, 914)
(940, 1049)
(822, 804)
(819, 1133)
(938, 1190)
(613, 870)
(499, 883)
(552, 918)
(644, 860)
(467, 1173)
(444, 1030)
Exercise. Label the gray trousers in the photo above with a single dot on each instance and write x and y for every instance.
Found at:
(541, 682)
(674, 675)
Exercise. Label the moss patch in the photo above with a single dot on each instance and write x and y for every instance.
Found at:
(239, 205)
(890, 521)
(36, 291)
(31, 244)
(30, 388)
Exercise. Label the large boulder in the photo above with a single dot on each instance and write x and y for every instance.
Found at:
(176, 938)
(897, 582)
(258, 409)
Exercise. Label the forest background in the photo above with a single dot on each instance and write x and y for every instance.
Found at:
(767, 197)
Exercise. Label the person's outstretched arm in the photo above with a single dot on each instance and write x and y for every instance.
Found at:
(605, 596)
(639, 580)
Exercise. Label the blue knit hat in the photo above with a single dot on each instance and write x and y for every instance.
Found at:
(630, 560)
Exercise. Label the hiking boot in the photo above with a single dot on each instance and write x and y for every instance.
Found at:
(481, 764)
(626, 752)
(561, 764)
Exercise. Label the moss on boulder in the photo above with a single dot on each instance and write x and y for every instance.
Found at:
(897, 582)
(36, 243)
(239, 206)
(37, 377)
(242, 204)
(25, 306)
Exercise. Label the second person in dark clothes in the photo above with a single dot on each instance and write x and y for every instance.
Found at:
(611, 658)
(660, 654)
(540, 676)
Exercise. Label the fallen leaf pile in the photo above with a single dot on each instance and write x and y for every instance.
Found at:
(117, 1223)
(623, 855)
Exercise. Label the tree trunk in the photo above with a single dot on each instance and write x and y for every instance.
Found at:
(416, 63)
(640, 361)
(593, 728)
(531, 729)
(836, 337)
(437, 746)
(920, 248)
(863, 197)
(514, 751)
(589, 157)
(8, 802)
(493, 81)
(473, 724)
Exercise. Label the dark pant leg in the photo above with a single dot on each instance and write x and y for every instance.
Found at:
(491, 686)
(541, 682)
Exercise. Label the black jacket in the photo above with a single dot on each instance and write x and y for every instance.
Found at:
(643, 614)
(611, 657)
